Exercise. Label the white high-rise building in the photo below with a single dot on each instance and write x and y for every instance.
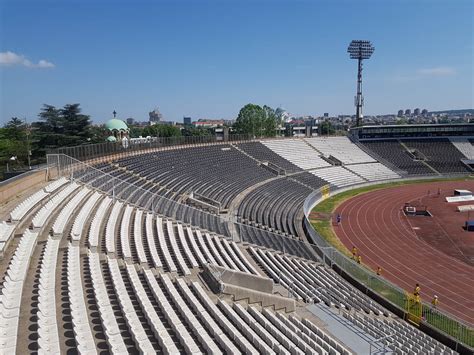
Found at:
(155, 116)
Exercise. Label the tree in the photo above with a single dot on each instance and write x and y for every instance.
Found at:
(49, 127)
(75, 125)
(15, 128)
(161, 130)
(250, 120)
(97, 134)
(8, 149)
(271, 121)
(196, 131)
(256, 121)
(326, 128)
(135, 131)
(13, 143)
(280, 113)
(62, 127)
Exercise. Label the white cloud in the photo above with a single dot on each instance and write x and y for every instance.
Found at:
(404, 78)
(423, 74)
(437, 71)
(11, 59)
(44, 64)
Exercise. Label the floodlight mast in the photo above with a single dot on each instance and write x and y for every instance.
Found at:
(359, 49)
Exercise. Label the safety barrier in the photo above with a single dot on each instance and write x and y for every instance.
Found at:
(129, 147)
(450, 325)
(60, 165)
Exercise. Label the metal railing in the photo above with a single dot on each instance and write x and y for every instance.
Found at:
(63, 165)
(89, 152)
(60, 165)
(448, 324)
(128, 147)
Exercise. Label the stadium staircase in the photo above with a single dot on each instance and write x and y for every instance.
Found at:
(423, 161)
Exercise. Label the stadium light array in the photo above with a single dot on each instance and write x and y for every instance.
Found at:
(360, 50)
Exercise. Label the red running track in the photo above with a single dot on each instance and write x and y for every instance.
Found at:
(375, 224)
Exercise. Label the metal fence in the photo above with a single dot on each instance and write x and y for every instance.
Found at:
(89, 152)
(447, 323)
(441, 320)
(129, 147)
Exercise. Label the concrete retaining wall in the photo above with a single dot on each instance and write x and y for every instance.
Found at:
(14, 186)
(247, 287)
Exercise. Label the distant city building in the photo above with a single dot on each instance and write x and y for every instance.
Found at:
(187, 121)
(297, 121)
(130, 121)
(155, 116)
(407, 112)
(416, 112)
(168, 123)
(424, 112)
(207, 123)
(400, 113)
(326, 114)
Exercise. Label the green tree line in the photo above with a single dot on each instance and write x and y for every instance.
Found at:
(23, 145)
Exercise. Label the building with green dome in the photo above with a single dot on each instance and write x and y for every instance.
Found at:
(117, 128)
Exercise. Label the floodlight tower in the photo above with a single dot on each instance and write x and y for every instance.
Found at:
(359, 50)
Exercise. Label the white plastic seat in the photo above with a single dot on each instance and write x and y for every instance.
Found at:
(150, 237)
(164, 246)
(96, 223)
(44, 213)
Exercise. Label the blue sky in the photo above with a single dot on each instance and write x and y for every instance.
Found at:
(209, 58)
